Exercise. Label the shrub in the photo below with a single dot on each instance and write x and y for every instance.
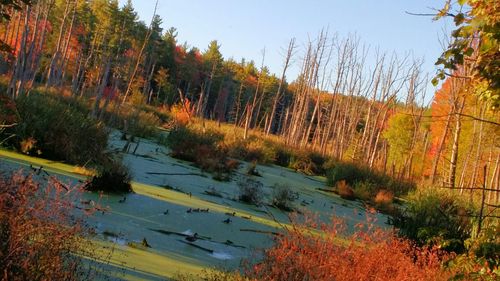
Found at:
(114, 178)
(300, 162)
(185, 142)
(365, 190)
(60, 130)
(8, 111)
(252, 169)
(253, 149)
(133, 120)
(344, 190)
(250, 191)
(40, 235)
(283, 197)
(283, 156)
(433, 217)
(384, 198)
(203, 149)
(354, 174)
(368, 254)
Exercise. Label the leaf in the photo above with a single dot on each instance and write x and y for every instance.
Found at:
(469, 52)
(459, 19)
(434, 81)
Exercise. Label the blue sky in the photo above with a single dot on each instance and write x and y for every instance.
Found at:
(244, 28)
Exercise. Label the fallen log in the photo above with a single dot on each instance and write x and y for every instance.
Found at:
(167, 232)
(197, 246)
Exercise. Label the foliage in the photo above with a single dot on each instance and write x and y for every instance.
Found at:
(61, 129)
(354, 174)
(307, 162)
(114, 178)
(184, 142)
(182, 112)
(252, 169)
(137, 121)
(384, 198)
(203, 149)
(433, 217)
(344, 190)
(283, 197)
(39, 232)
(250, 191)
(482, 259)
(475, 38)
(252, 149)
(368, 254)
(399, 134)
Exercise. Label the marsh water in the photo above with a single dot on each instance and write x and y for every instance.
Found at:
(174, 200)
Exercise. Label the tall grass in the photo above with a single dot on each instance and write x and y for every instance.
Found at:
(60, 130)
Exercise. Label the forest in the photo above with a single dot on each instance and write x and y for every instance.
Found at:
(88, 84)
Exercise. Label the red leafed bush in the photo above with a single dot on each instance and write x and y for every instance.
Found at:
(40, 234)
(368, 254)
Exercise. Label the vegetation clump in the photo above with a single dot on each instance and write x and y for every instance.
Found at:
(435, 218)
(113, 178)
(40, 235)
(283, 197)
(203, 149)
(370, 253)
(59, 129)
(344, 190)
(369, 182)
(250, 191)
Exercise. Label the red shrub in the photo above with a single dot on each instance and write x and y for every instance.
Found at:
(369, 254)
(39, 231)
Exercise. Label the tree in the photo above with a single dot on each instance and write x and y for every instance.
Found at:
(475, 39)
(6, 9)
(399, 134)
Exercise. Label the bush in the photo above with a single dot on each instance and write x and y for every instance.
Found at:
(344, 190)
(250, 191)
(384, 198)
(253, 149)
(307, 162)
(133, 120)
(355, 174)
(114, 178)
(283, 156)
(365, 190)
(185, 143)
(203, 149)
(368, 254)
(252, 169)
(60, 130)
(283, 197)
(40, 235)
(433, 217)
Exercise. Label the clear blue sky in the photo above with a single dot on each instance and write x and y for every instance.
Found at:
(243, 28)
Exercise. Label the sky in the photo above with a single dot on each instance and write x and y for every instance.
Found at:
(244, 27)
